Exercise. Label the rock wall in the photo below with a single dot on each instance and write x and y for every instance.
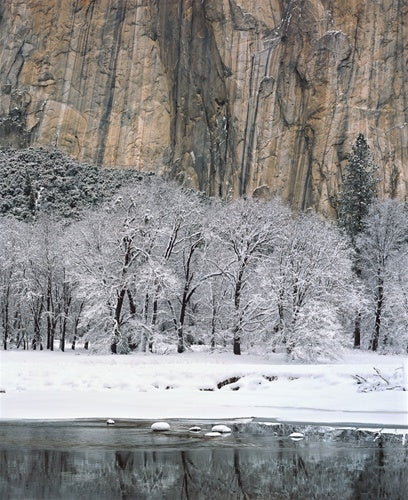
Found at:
(234, 97)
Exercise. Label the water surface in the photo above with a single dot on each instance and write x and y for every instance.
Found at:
(90, 460)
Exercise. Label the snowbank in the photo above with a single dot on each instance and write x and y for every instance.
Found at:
(43, 385)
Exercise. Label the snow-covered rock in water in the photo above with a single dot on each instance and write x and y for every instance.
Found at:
(212, 434)
(110, 421)
(195, 428)
(296, 436)
(223, 429)
(160, 426)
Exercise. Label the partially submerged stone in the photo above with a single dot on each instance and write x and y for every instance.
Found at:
(222, 429)
(296, 436)
(160, 426)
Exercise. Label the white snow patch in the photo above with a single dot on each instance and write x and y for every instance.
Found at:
(334, 32)
(222, 429)
(195, 428)
(155, 387)
(160, 426)
(296, 436)
(212, 434)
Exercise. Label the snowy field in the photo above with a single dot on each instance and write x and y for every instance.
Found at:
(43, 385)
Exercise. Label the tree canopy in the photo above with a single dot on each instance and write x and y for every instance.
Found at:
(37, 181)
(359, 188)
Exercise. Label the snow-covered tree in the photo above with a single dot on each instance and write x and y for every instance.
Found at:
(186, 262)
(45, 276)
(178, 249)
(36, 294)
(310, 280)
(11, 243)
(383, 250)
(136, 263)
(396, 304)
(245, 231)
(358, 192)
(359, 188)
(111, 249)
(215, 302)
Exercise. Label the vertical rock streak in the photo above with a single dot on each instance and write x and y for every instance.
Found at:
(117, 25)
(200, 119)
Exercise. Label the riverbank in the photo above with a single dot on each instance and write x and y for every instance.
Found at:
(44, 385)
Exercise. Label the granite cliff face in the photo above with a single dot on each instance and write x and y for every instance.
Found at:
(234, 97)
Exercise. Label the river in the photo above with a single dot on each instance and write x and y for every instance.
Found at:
(88, 459)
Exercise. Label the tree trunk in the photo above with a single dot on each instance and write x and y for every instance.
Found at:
(237, 345)
(21, 339)
(63, 333)
(67, 299)
(49, 314)
(48, 326)
(237, 302)
(378, 314)
(36, 342)
(6, 316)
(154, 321)
(184, 301)
(132, 306)
(279, 326)
(118, 310)
(121, 295)
(5, 327)
(180, 330)
(146, 306)
(76, 323)
(17, 326)
(213, 317)
(357, 331)
(53, 330)
(357, 321)
(154, 313)
(180, 340)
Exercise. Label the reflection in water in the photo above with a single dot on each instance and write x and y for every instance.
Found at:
(269, 467)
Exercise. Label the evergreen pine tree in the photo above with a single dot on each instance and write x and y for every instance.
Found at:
(359, 188)
(358, 193)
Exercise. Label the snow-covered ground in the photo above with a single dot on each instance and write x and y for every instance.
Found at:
(43, 385)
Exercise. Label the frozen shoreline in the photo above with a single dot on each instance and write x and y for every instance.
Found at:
(52, 386)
